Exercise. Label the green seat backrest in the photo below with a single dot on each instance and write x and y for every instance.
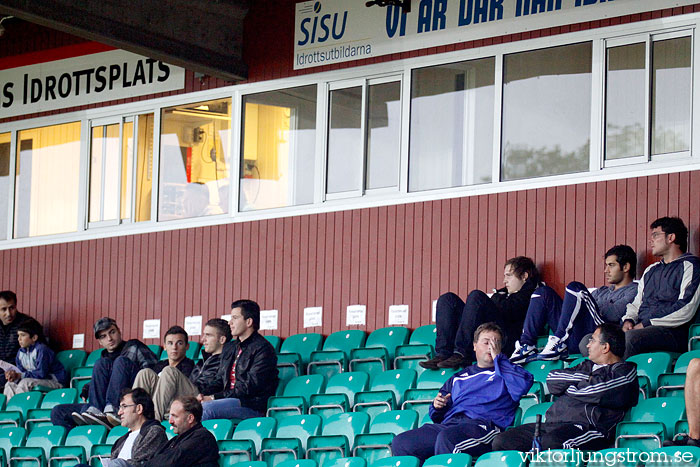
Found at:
(297, 463)
(93, 357)
(679, 456)
(46, 436)
(302, 344)
(97, 451)
(388, 338)
(424, 335)
(71, 358)
(276, 342)
(541, 368)
(299, 426)
(666, 410)
(500, 459)
(346, 462)
(116, 433)
(396, 461)
(11, 436)
(651, 365)
(304, 386)
(347, 423)
(684, 359)
(394, 421)
(531, 413)
(86, 436)
(449, 460)
(193, 348)
(255, 429)
(168, 429)
(348, 383)
(345, 340)
(59, 396)
(577, 361)
(221, 428)
(434, 378)
(394, 380)
(25, 401)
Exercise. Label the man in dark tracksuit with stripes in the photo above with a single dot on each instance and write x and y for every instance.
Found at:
(473, 406)
(668, 294)
(592, 398)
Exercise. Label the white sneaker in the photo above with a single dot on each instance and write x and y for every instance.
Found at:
(523, 353)
(554, 350)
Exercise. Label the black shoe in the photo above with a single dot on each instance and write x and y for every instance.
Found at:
(455, 361)
(682, 440)
(431, 364)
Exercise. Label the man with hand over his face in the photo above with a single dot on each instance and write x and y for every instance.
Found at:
(473, 406)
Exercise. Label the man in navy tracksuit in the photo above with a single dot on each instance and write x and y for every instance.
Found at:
(668, 294)
(473, 406)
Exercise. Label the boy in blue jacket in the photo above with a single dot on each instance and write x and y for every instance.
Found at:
(36, 362)
(473, 406)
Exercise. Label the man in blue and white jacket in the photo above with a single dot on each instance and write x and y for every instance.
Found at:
(668, 294)
(473, 406)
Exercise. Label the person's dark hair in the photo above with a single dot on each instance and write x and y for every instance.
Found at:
(176, 330)
(190, 404)
(625, 255)
(9, 296)
(522, 265)
(249, 309)
(488, 327)
(221, 325)
(673, 225)
(142, 398)
(614, 336)
(32, 327)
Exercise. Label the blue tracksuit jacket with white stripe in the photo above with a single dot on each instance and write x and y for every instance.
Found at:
(488, 394)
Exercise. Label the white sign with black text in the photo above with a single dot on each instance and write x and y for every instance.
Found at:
(268, 320)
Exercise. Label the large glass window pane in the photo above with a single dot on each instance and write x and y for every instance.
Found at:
(144, 168)
(104, 173)
(4, 182)
(383, 135)
(47, 180)
(624, 101)
(671, 95)
(345, 149)
(279, 144)
(126, 169)
(546, 112)
(194, 160)
(451, 141)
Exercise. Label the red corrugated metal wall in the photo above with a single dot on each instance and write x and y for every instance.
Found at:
(405, 254)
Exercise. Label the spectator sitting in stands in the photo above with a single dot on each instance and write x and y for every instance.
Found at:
(10, 319)
(668, 294)
(473, 406)
(592, 398)
(115, 370)
(456, 320)
(692, 407)
(194, 445)
(145, 437)
(577, 317)
(170, 383)
(248, 370)
(36, 362)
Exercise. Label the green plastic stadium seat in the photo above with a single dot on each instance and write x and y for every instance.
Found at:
(71, 359)
(230, 459)
(396, 461)
(93, 357)
(449, 460)
(384, 426)
(116, 433)
(11, 436)
(420, 346)
(379, 350)
(678, 456)
(346, 462)
(246, 441)
(77, 445)
(386, 391)
(649, 423)
(340, 393)
(419, 400)
(558, 458)
(52, 398)
(297, 463)
(530, 415)
(337, 436)
(223, 463)
(500, 459)
(541, 368)
(434, 378)
(290, 440)
(193, 349)
(334, 357)
(296, 350)
(168, 429)
(37, 446)
(296, 396)
(80, 374)
(673, 384)
(694, 337)
(649, 367)
(275, 341)
(99, 452)
(221, 428)
(17, 408)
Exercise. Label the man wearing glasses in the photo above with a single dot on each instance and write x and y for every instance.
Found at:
(668, 294)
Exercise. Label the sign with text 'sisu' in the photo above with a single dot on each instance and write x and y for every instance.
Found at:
(80, 75)
(334, 31)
